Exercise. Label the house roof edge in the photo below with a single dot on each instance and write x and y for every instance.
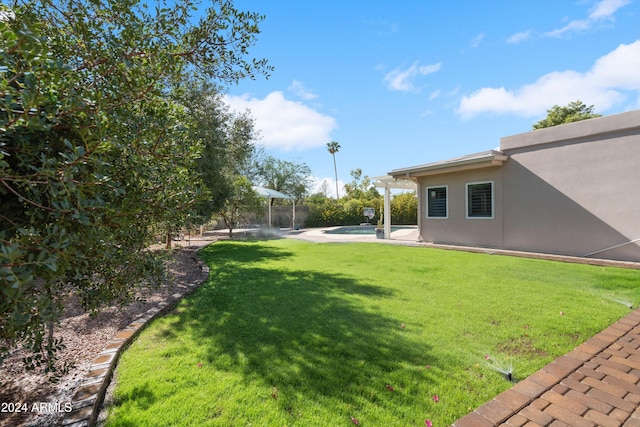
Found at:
(471, 161)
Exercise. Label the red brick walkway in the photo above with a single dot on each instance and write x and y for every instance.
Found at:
(597, 384)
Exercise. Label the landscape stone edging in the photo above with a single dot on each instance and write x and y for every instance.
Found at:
(90, 394)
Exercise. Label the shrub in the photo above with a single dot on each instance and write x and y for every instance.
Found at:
(326, 212)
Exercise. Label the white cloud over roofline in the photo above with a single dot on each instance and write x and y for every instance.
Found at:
(609, 81)
(285, 124)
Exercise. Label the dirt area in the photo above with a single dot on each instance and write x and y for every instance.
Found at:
(23, 392)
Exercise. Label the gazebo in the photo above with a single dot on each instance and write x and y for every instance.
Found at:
(269, 194)
(388, 182)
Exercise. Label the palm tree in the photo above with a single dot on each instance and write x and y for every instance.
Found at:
(333, 148)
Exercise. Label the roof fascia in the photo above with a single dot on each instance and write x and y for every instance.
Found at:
(493, 159)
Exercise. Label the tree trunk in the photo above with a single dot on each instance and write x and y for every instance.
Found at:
(335, 168)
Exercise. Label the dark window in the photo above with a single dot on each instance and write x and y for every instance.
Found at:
(480, 200)
(437, 202)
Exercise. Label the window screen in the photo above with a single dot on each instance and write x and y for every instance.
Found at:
(437, 202)
(480, 200)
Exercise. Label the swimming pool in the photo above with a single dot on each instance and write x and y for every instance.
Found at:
(365, 229)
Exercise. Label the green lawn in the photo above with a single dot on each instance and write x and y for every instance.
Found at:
(291, 333)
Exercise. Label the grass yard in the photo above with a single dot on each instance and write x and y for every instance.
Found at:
(292, 333)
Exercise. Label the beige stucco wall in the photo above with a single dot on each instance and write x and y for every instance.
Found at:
(572, 189)
(457, 229)
(576, 196)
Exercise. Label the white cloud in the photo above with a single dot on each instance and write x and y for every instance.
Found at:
(519, 37)
(283, 123)
(327, 186)
(383, 28)
(477, 40)
(380, 67)
(298, 89)
(603, 10)
(607, 83)
(606, 8)
(402, 79)
(576, 25)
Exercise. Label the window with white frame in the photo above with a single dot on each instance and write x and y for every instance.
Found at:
(480, 199)
(437, 204)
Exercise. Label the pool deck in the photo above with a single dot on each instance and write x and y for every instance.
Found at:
(405, 236)
(596, 384)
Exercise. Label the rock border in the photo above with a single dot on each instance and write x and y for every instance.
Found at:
(88, 398)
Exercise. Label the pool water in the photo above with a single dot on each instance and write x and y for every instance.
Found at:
(364, 229)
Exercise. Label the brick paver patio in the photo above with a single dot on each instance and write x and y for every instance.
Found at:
(596, 384)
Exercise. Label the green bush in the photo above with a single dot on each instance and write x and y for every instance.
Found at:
(404, 208)
(326, 212)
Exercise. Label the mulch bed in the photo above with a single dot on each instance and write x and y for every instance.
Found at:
(84, 337)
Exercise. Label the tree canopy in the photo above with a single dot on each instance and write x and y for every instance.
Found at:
(291, 178)
(360, 186)
(573, 112)
(226, 140)
(95, 146)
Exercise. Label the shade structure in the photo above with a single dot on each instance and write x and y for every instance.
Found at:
(269, 194)
(388, 182)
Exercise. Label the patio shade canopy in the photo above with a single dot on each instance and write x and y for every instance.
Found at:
(273, 194)
(389, 182)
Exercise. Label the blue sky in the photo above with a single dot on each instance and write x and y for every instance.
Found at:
(403, 83)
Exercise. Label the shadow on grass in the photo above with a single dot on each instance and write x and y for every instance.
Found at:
(304, 335)
(143, 396)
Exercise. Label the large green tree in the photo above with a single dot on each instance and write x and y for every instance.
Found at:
(227, 144)
(241, 203)
(94, 148)
(573, 112)
(291, 178)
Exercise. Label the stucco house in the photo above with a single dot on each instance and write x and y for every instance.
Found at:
(572, 190)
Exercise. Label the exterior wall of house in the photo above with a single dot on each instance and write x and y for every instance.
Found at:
(457, 228)
(572, 190)
(575, 189)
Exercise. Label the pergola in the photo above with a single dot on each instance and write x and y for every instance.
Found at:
(273, 194)
(388, 183)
